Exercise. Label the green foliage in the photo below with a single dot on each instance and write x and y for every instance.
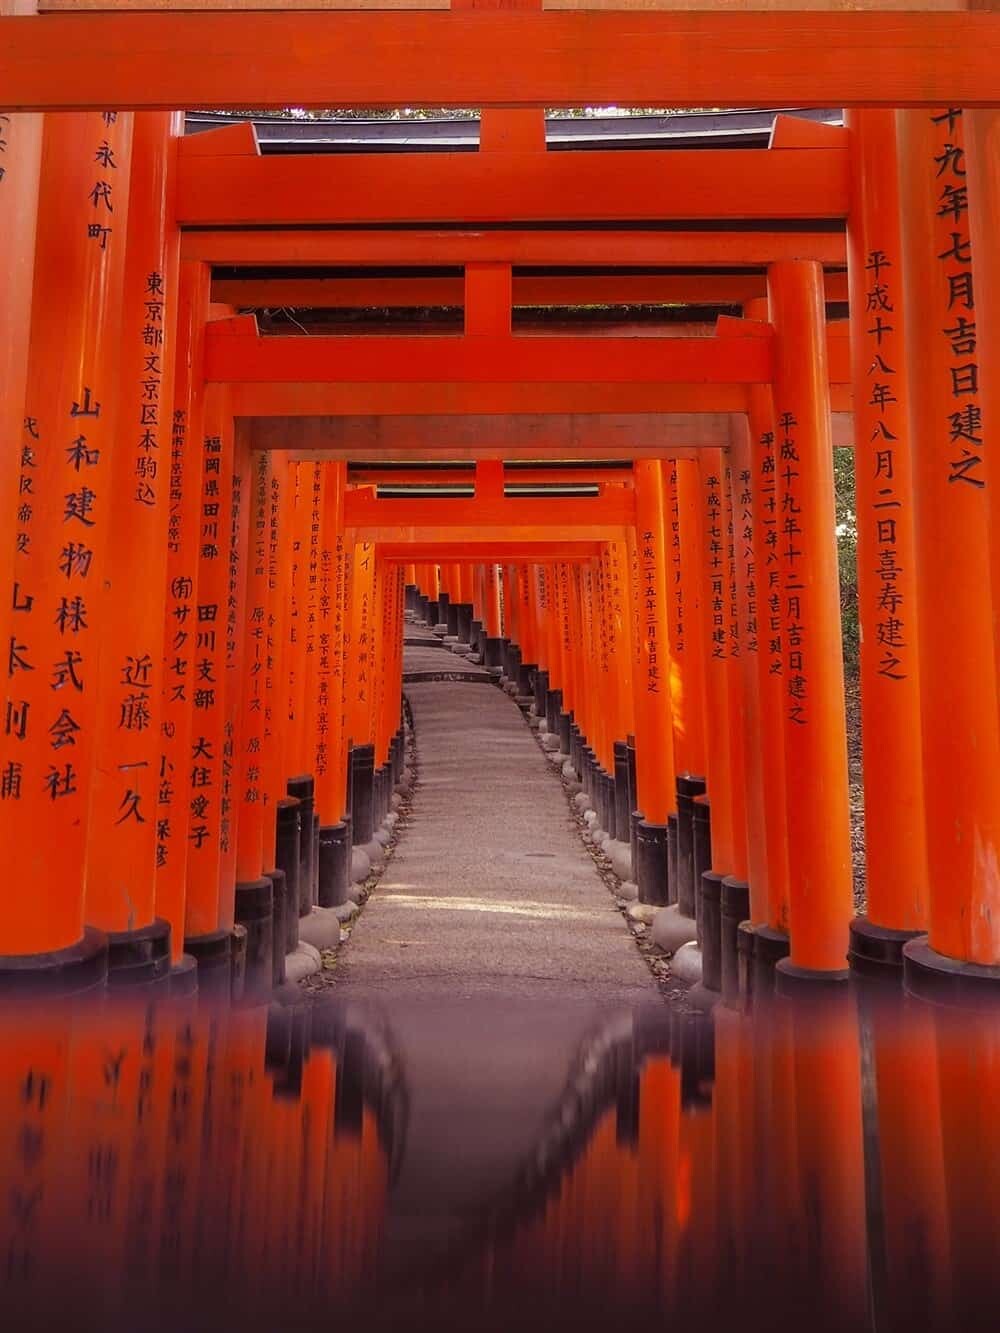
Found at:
(847, 554)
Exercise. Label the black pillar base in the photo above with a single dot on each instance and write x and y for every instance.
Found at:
(255, 913)
(564, 721)
(688, 787)
(634, 820)
(671, 858)
(288, 854)
(541, 690)
(184, 978)
(429, 611)
(735, 908)
(651, 863)
(610, 810)
(79, 967)
(362, 794)
(633, 786)
(452, 621)
(334, 864)
(791, 981)
(464, 622)
(492, 653)
(525, 677)
(213, 953)
(576, 749)
(745, 947)
(279, 894)
(477, 635)
(769, 948)
(701, 856)
(140, 957)
(303, 789)
(443, 602)
(553, 707)
(876, 952)
(622, 807)
(709, 919)
(933, 976)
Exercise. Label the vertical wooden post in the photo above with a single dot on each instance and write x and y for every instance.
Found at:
(201, 778)
(359, 687)
(770, 929)
(961, 741)
(60, 530)
(331, 739)
(236, 534)
(492, 619)
(180, 626)
(747, 901)
(715, 572)
(295, 659)
(20, 162)
(895, 836)
(272, 752)
(654, 747)
(819, 853)
(254, 892)
(121, 841)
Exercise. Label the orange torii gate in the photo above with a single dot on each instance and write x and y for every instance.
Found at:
(258, 675)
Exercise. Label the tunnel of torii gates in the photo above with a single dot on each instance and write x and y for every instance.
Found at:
(206, 579)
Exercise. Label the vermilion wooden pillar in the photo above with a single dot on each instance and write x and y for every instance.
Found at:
(184, 478)
(121, 842)
(201, 778)
(735, 672)
(819, 853)
(295, 659)
(493, 618)
(981, 134)
(895, 837)
(254, 896)
(237, 534)
(360, 689)
(715, 593)
(744, 508)
(690, 636)
(21, 137)
(60, 528)
(620, 599)
(771, 927)
(654, 750)
(331, 740)
(961, 742)
(272, 749)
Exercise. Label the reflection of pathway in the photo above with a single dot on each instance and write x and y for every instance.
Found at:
(490, 1090)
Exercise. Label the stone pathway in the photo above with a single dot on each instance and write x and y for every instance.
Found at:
(490, 888)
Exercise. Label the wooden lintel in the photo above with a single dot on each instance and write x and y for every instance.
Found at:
(179, 59)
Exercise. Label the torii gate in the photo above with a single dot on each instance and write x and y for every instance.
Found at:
(116, 227)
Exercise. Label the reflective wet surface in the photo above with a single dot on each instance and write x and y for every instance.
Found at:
(494, 1162)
